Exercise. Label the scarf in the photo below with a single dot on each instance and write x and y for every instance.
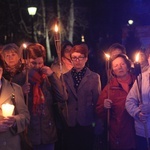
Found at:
(10, 72)
(36, 80)
(77, 76)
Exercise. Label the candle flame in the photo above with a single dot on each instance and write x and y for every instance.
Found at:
(24, 45)
(137, 57)
(56, 28)
(107, 56)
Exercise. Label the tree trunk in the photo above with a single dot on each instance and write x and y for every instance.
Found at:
(46, 36)
(71, 21)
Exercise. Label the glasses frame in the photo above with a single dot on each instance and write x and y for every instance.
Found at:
(80, 58)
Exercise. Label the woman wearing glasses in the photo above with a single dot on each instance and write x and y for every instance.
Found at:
(83, 87)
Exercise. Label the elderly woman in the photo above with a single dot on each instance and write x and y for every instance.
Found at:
(113, 97)
(13, 65)
(12, 125)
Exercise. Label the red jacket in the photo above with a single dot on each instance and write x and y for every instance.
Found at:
(121, 132)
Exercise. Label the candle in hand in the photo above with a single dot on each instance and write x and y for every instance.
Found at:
(7, 110)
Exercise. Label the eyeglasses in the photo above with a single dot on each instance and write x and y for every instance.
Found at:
(77, 58)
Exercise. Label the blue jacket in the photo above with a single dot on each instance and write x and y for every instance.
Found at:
(133, 102)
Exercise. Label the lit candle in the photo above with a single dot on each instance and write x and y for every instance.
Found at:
(108, 70)
(24, 51)
(137, 65)
(7, 109)
(57, 40)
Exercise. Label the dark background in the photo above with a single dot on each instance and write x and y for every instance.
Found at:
(102, 24)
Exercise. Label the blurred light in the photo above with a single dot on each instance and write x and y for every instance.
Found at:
(32, 10)
(130, 22)
(82, 38)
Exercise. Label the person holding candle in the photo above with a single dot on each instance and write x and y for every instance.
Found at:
(138, 106)
(45, 89)
(83, 87)
(113, 50)
(66, 66)
(113, 97)
(12, 120)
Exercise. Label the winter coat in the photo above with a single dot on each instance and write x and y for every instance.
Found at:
(121, 124)
(10, 140)
(42, 128)
(81, 103)
(133, 101)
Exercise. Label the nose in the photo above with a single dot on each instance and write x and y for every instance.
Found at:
(10, 57)
(77, 59)
(120, 66)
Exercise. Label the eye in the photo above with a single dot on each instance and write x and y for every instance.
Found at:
(115, 66)
(123, 64)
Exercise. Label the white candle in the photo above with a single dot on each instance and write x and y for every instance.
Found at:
(7, 110)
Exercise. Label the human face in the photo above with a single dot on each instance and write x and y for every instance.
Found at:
(78, 61)
(67, 51)
(115, 52)
(142, 58)
(119, 67)
(11, 58)
(1, 72)
(37, 63)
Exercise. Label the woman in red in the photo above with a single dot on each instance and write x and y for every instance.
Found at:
(121, 124)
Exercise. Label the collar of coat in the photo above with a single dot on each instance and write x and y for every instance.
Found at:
(115, 85)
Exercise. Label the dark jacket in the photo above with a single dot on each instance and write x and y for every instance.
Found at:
(81, 104)
(42, 128)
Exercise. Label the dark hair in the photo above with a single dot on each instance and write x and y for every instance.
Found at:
(36, 50)
(82, 48)
(64, 45)
(115, 46)
(126, 59)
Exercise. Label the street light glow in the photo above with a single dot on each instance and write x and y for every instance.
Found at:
(32, 10)
(130, 22)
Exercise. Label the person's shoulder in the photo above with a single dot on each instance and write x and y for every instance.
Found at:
(15, 85)
(92, 73)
